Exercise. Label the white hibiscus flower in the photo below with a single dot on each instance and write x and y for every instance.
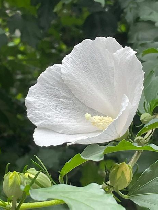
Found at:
(91, 97)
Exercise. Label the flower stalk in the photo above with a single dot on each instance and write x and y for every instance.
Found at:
(35, 204)
(135, 158)
(41, 204)
(142, 142)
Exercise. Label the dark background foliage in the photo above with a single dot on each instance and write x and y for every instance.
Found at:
(35, 34)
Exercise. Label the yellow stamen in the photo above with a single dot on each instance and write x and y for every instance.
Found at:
(99, 121)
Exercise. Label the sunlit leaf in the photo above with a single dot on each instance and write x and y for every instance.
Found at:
(150, 50)
(149, 126)
(93, 152)
(97, 152)
(86, 198)
(71, 164)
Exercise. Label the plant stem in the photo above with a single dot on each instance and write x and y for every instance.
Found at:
(135, 158)
(41, 204)
(122, 195)
(36, 204)
(14, 204)
(137, 154)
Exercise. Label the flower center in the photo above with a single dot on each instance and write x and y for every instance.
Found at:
(99, 121)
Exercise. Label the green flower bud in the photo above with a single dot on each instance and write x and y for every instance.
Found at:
(139, 140)
(146, 117)
(42, 180)
(120, 176)
(11, 185)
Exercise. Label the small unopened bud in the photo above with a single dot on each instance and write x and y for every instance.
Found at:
(42, 180)
(11, 185)
(146, 117)
(139, 140)
(120, 176)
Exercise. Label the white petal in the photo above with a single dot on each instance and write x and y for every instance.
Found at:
(115, 129)
(46, 137)
(108, 43)
(89, 72)
(100, 75)
(128, 75)
(50, 104)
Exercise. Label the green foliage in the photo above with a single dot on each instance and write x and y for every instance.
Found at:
(124, 145)
(149, 11)
(151, 87)
(93, 152)
(150, 50)
(96, 153)
(144, 191)
(153, 124)
(85, 198)
(99, 24)
(71, 164)
(92, 173)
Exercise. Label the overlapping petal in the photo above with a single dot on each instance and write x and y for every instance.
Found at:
(114, 130)
(47, 137)
(89, 72)
(50, 104)
(99, 77)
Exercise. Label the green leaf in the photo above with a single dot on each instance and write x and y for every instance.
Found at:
(92, 173)
(6, 73)
(93, 152)
(144, 191)
(126, 145)
(150, 50)
(149, 11)
(131, 10)
(3, 40)
(145, 180)
(23, 5)
(151, 87)
(149, 201)
(102, 2)
(142, 32)
(86, 198)
(71, 164)
(149, 126)
(2, 31)
(45, 13)
(142, 104)
(28, 25)
(91, 5)
(153, 105)
(96, 152)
